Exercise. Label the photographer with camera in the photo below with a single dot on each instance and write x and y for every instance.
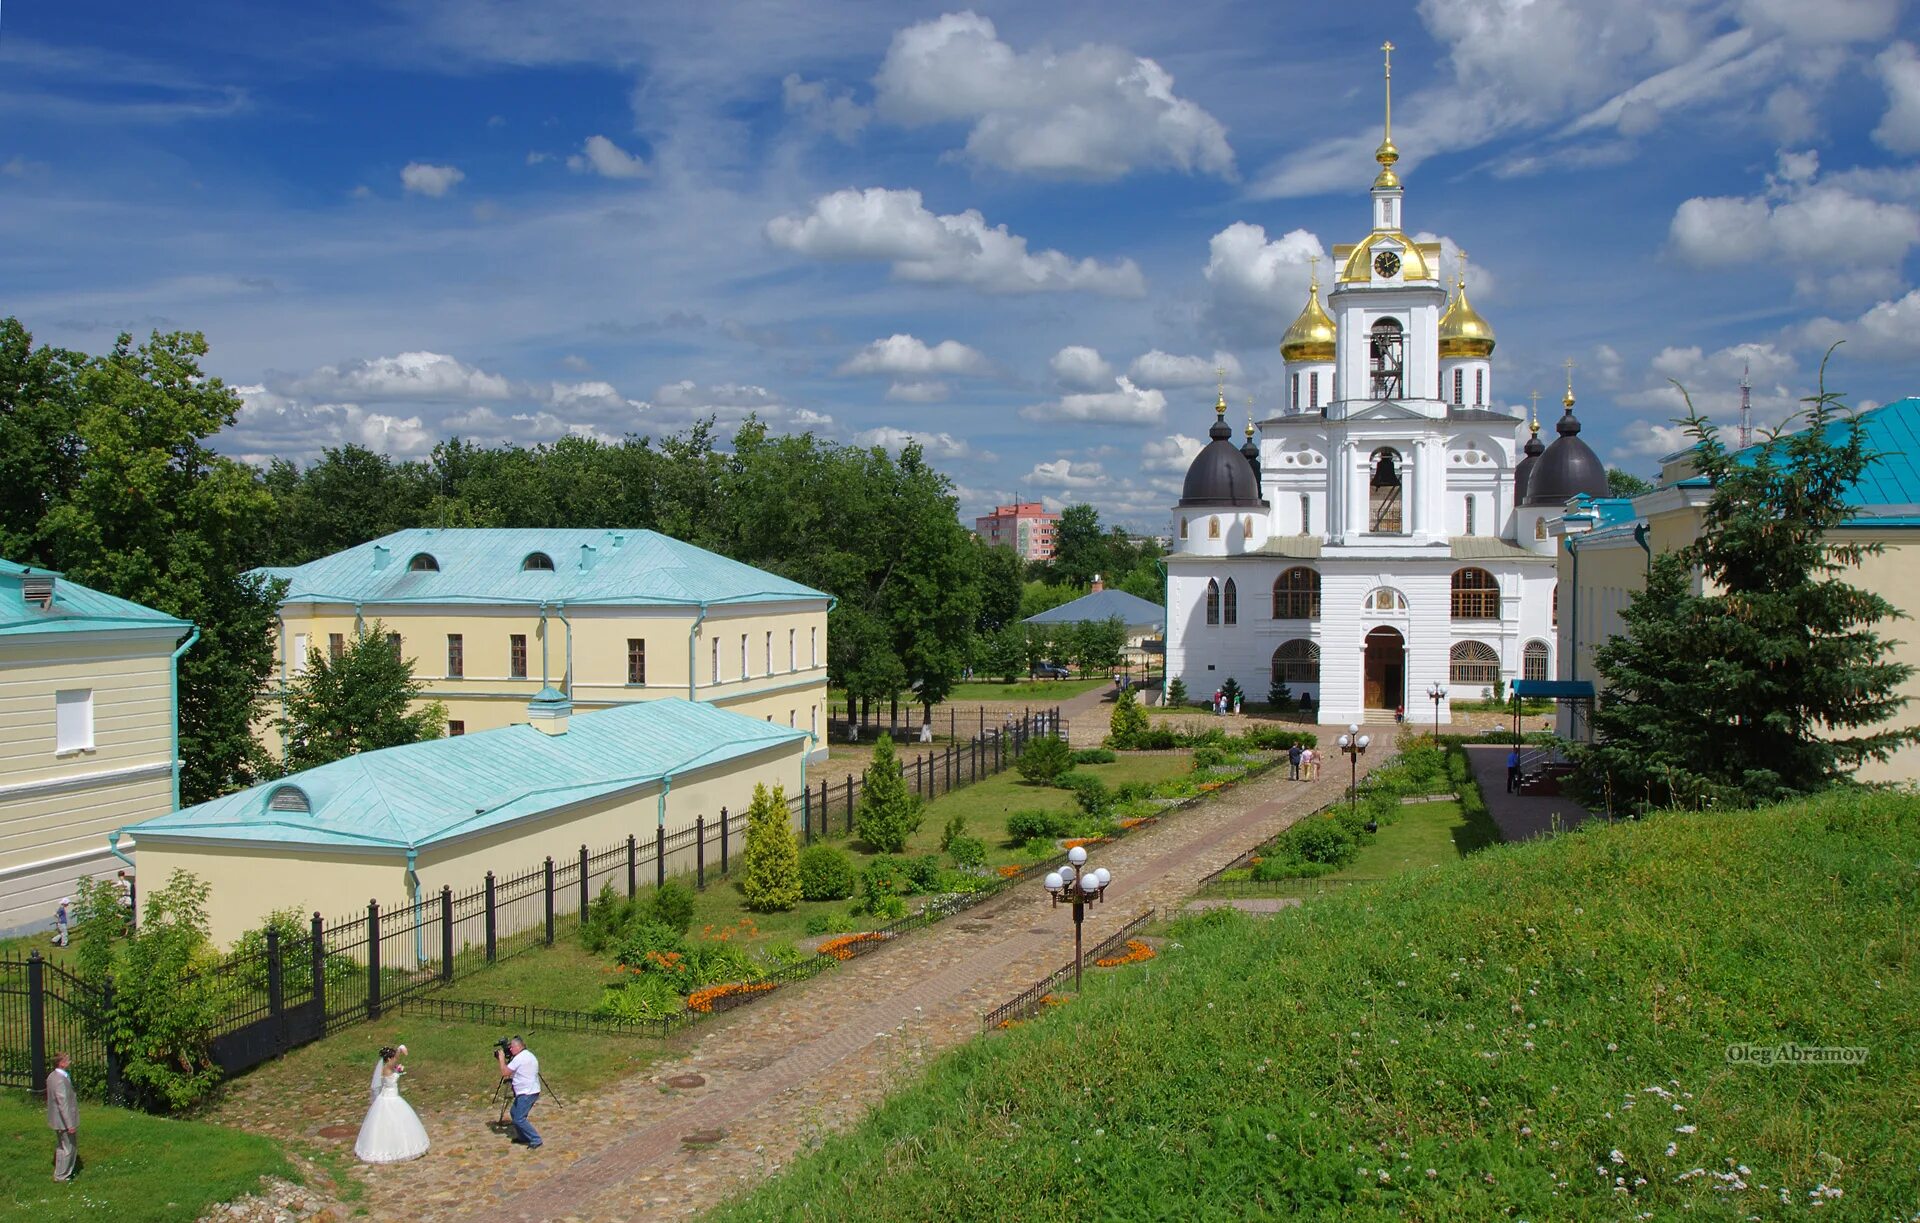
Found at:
(519, 1066)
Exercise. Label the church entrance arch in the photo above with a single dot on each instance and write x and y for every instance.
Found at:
(1386, 669)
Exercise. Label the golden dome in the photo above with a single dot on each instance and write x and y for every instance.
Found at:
(1463, 333)
(1418, 260)
(1311, 336)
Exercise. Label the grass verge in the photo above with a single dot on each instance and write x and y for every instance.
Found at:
(1538, 1031)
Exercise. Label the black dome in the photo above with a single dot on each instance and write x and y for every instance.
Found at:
(1220, 475)
(1523, 471)
(1567, 469)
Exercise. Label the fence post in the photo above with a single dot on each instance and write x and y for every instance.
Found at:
(446, 932)
(700, 851)
(490, 912)
(806, 808)
(583, 885)
(276, 990)
(660, 856)
(549, 891)
(633, 867)
(373, 959)
(36, 1025)
(849, 803)
(320, 969)
(116, 1082)
(825, 807)
(953, 725)
(983, 721)
(724, 821)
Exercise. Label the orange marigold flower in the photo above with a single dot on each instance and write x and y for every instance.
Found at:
(1009, 871)
(842, 948)
(703, 999)
(1136, 951)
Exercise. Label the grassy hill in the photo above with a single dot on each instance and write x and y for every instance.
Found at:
(1538, 1032)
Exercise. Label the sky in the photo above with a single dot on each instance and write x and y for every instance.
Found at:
(1024, 235)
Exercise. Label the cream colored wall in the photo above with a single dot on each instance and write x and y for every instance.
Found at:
(248, 883)
(132, 710)
(1894, 576)
(486, 697)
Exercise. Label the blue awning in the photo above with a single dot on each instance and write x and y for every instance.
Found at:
(1554, 689)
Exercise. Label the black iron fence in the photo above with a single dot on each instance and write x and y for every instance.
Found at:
(293, 989)
(1032, 1000)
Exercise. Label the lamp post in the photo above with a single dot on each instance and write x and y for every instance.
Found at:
(1438, 694)
(1073, 884)
(1354, 744)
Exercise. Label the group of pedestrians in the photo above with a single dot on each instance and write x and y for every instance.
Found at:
(1303, 763)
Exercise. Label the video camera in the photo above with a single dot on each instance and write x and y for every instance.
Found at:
(503, 1042)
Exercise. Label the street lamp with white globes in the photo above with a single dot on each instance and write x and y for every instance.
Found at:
(1073, 884)
(1354, 744)
(1437, 694)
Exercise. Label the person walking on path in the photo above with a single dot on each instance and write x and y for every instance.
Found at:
(1310, 764)
(1293, 762)
(63, 1117)
(1513, 770)
(523, 1070)
(62, 921)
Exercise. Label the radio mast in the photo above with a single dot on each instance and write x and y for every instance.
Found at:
(1746, 409)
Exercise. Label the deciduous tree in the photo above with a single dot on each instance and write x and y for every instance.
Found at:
(360, 702)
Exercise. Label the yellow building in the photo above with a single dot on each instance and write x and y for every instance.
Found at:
(88, 733)
(397, 825)
(1609, 543)
(490, 617)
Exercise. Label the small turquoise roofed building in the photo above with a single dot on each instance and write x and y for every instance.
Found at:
(401, 823)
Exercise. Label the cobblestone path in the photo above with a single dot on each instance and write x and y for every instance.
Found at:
(781, 1074)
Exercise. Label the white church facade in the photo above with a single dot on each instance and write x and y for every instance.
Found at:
(1386, 532)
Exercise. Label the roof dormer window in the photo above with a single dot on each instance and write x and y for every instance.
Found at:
(423, 562)
(289, 798)
(537, 560)
(37, 589)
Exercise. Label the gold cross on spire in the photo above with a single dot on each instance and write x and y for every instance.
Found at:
(1536, 411)
(1460, 260)
(1249, 418)
(1313, 261)
(1568, 401)
(1387, 48)
(1220, 405)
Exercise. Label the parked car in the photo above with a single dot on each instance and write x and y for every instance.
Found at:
(1053, 670)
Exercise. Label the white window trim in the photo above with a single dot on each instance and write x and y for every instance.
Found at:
(71, 738)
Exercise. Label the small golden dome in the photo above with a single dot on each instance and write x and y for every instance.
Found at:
(1312, 334)
(1463, 333)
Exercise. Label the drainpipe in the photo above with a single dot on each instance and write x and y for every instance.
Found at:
(413, 891)
(1640, 530)
(359, 623)
(1166, 603)
(543, 643)
(173, 691)
(1573, 614)
(285, 679)
(113, 847)
(666, 787)
(560, 610)
(693, 636)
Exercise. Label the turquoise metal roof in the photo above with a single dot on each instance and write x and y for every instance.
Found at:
(486, 566)
(419, 795)
(1130, 610)
(1892, 433)
(75, 609)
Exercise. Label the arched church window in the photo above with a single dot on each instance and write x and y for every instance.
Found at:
(1476, 595)
(1297, 662)
(1313, 390)
(1387, 359)
(1473, 662)
(1296, 594)
(1556, 605)
(1383, 491)
(1297, 405)
(1459, 377)
(1533, 661)
(1213, 601)
(1246, 526)
(1213, 527)
(1479, 388)
(1384, 599)
(1230, 603)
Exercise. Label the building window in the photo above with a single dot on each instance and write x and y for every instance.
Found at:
(1479, 388)
(1230, 604)
(300, 651)
(1246, 527)
(793, 649)
(1474, 662)
(1476, 595)
(1470, 529)
(1297, 405)
(1556, 605)
(1213, 527)
(423, 562)
(636, 660)
(813, 720)
(1384, 599)
(393, 643)
(769, 670)
(1383, 492)
(73, 720)
(517, 656)
(1459, 384)
(1183, 528)
(813, 644)
(790, 717)
(1306, 514)
(1533, 661)
(537, 560)
(715, 677)
(1213, 601)
(336, 646)
(1313, 390)
(456, 728)
(456, 656)
(743, 657)
(1297, 662)
(1296, 594)
(1386, 359)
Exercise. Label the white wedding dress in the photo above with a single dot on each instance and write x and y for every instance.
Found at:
(392, 1131)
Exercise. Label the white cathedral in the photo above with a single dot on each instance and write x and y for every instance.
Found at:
(1387, 533)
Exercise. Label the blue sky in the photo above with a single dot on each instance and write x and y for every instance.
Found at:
(1025, 234)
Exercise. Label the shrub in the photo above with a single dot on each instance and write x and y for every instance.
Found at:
(671, 904)
(889, 908)
(771, 879)
(1158, 739)
(781, 953)
(1188, 924)
(830, 923)
(1273, 738)
(1273, 870)
(1093, 755)
(965, 881)
(1127, 723)
(825, 874)
(1322, 840)
(1279, 696)
(889, 812)
(1023, 826)
(885, 878)
(718, 963)
(1177, 692)
(643, 938)
(605, 916)
(923, 873)
(956, 827)
(646, 996)
(1045, 759)
(1089, 791)
(1038, 847)
(1208, 756)
(968, 853)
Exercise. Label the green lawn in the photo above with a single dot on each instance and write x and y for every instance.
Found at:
(1426, 834)
(133, 1167)
(1501, 1037)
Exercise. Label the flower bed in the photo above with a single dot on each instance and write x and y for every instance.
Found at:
(1010, 870)
(848, 945)
(1139, 821)
(1136, 951)
(703, 1000)
(1082, 842)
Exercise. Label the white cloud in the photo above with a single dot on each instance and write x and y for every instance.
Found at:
(960, 248)
(1257, 285)
(1127, 404)
(419, 178)
(936, 445)
(608, 160)
(1065, 473)
(1164, 369)
(1172, 454)
(577, 363)
(1712, 381)
(906, 355)
(730, 403)
(1885, 332)
(1078, 367)
(823, 107)
(270, 425)
(1095, 112)
(1899, 128)
(930, 391)
(407, 375)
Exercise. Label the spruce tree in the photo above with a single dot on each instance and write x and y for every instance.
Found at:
(771, 879)
(889, 812)
(1129, 721)
(1773, 680)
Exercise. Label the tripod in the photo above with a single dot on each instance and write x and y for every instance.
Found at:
(503, 1096)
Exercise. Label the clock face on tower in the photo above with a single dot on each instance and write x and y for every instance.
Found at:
(1386, 263)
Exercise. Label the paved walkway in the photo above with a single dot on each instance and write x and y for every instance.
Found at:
(1520, 817)
(781, 1074)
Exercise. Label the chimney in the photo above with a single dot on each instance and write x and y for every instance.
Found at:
(549, 711)
(381, 554)
(1098, 585)
(586, 557)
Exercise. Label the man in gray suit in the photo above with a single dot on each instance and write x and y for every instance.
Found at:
(63, 1117)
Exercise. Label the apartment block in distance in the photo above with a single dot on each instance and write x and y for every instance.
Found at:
(1024, 526)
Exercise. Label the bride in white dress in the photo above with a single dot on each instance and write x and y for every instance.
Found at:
(392, 1131)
